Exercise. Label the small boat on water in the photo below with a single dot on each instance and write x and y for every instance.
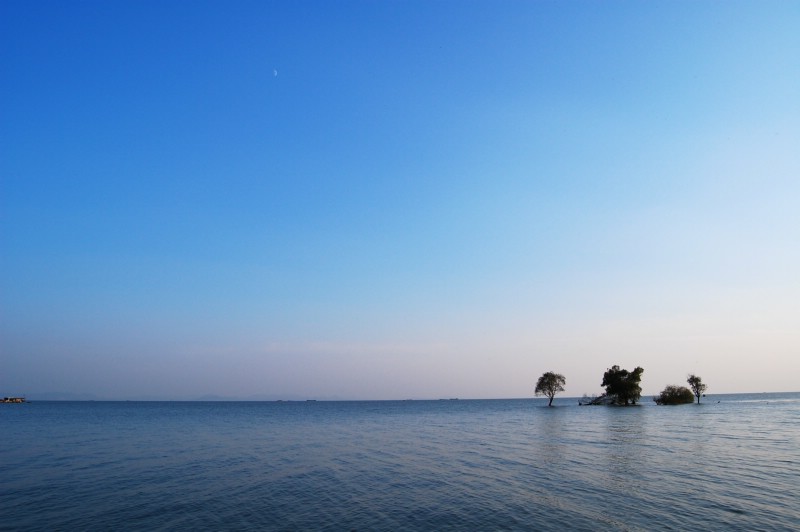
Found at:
(13, 400)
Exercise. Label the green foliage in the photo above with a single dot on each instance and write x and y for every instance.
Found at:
(674, 395)
(550, 384)
(623, 385)
(698, 388)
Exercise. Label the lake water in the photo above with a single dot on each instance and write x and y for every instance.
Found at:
(732, 462)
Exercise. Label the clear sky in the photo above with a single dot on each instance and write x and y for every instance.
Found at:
(397, 199)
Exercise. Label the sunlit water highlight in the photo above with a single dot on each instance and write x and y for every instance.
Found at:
(405, 465)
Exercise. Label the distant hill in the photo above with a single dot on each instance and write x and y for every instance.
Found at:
(61, 396)
(72, 396)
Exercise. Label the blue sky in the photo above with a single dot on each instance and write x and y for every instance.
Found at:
(378, 200)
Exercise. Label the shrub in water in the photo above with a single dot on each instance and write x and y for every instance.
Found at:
(674, 395)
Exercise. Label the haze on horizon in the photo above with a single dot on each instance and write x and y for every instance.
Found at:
(391, 200)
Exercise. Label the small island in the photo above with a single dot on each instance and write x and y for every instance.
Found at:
(622, 388)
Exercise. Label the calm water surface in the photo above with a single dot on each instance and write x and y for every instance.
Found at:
(730, 463)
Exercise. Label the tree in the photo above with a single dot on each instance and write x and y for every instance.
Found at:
(698, 388)
(550, 384)
(674, 395)
(623, 385)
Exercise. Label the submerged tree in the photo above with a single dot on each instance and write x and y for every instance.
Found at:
(698, 388)
(623, 385)
(550, 384)
(674, 395)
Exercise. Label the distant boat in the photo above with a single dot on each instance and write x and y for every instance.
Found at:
(13, 400)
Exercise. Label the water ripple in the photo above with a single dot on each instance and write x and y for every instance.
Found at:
(441, 465)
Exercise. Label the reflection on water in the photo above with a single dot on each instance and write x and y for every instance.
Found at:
(626, 434)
